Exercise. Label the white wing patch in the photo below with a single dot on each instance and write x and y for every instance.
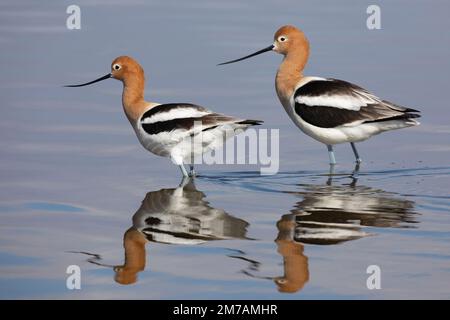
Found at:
(175, 114)
(354, 101)
(335, 101)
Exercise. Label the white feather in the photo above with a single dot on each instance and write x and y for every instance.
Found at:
(181, 144)
(178, 113)
(354, 101)
(335, 101)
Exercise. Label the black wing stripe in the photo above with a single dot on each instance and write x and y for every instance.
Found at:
(170, 125)
(251, 122)
(212, 119)
(209, 122)
(326, 117)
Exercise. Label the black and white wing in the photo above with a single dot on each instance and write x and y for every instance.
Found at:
(179, 119)
(329, 103)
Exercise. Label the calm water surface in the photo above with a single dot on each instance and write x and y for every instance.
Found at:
(76, 188)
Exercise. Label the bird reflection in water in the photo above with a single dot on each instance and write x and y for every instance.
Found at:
(327, 214)
(174, 216)
(331, 214)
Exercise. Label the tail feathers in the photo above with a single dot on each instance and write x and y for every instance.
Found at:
(411, 119)
(396, 107)
(412, 110)
(397, 122)
(406, 116)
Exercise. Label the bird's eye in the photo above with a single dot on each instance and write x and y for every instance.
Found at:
(282, 39)
(116, 67)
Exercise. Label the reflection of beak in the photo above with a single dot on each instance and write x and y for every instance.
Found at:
(269, 48)
(107, 76)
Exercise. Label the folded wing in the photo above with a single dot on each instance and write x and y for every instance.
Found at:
(182, 120)
(329, 103)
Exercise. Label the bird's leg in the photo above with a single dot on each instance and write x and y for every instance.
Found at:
(183, 170)
(191, 171)
(331, 154)
(184, 181)
(330, 175)
(358, 159)
(354, 175)
(356, 170)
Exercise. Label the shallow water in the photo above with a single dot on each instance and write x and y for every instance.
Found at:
(77, 189)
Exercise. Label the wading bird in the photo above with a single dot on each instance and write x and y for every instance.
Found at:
(179, 131)
(329, 110)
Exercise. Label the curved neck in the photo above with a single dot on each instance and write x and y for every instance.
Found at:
(133, 96)
(290, 71)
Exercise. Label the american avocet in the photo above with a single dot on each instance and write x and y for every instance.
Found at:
(329, 110)
(170, 130)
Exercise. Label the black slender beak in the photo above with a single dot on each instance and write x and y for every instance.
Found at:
(107, 76)
(269, 48)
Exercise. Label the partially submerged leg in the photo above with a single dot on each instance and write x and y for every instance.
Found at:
(191, 170)
(331, 154)
(178, 160)
(184, 181)
(330, 175)
(354, 175)
(183, 170)
(355, 152)
(356, 169)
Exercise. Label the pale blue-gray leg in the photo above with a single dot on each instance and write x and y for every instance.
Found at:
(192, 171)
(184, 181)
(358, 159)
(356, 170)
(354, 175)
(330, 175)
(183, 170)
(331, 154)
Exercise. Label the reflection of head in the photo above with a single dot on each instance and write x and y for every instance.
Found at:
(296, 272)
(134, 244)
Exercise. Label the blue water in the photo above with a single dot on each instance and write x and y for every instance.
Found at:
(73, 177)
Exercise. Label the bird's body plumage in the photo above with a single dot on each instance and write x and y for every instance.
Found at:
(183, 131)
(334, 111)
